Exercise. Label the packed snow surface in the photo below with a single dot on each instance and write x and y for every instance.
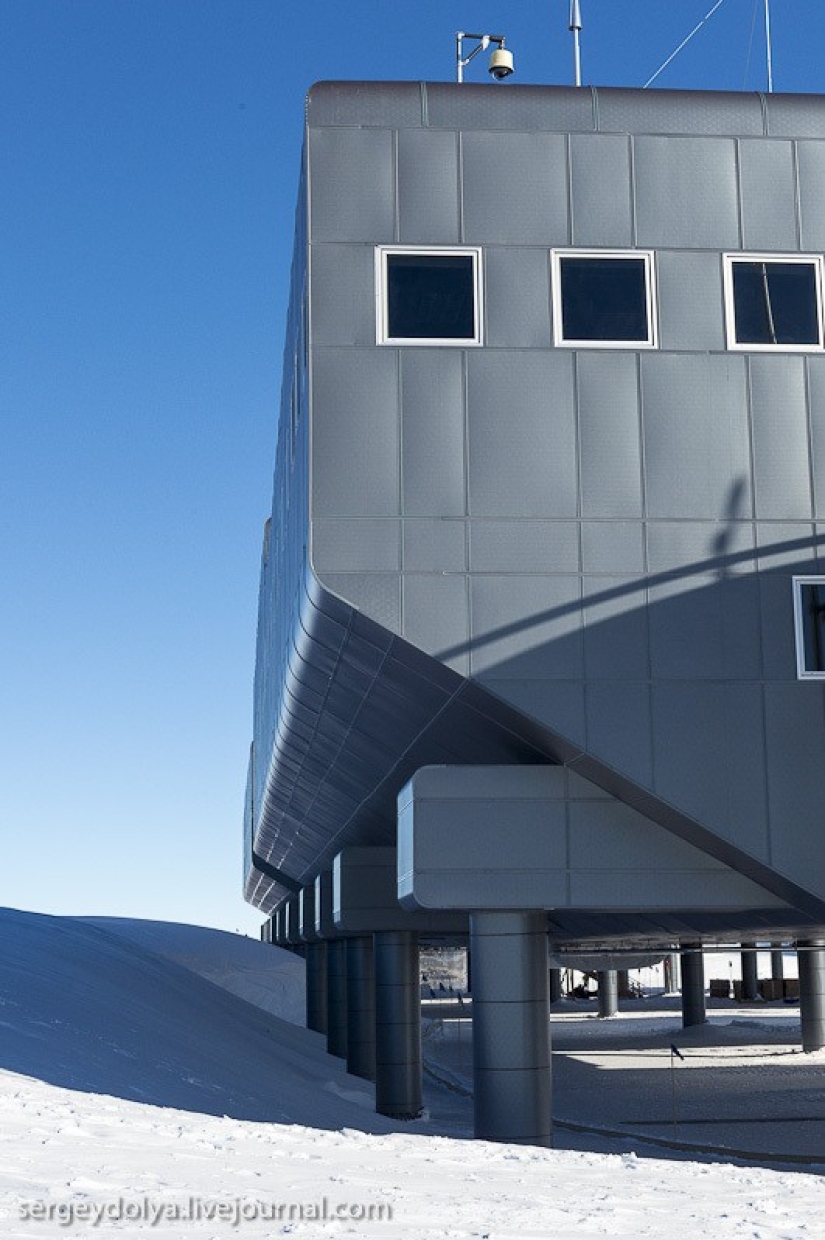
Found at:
(139, 1095)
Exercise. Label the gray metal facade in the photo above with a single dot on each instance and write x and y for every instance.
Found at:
(529, 553)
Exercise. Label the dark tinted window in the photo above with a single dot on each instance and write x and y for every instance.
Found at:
(431, 297)
(775, 303)
(604, 299)
(812, 616)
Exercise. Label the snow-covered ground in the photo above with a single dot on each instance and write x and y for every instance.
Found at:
(139, 1095)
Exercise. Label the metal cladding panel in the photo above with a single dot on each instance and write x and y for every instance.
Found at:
(432, 399)
(435, 545)
(781, 453)
(816, 389)
(526, 202)
(697, 450)
(428, 194)
(619, 727)
(722, 727)
(525, 108)
(795, 116)
(609, 434)
(767, 178)
(523, 464)
(615, 547)
(352, 185)
(709, 631)
(364, 104)
(377, 595)
(341, 283)
(600, 219)
(616, 644)
(362, 545)
(810, 157)
(558, 704)
(524, 546)
(526, 627)
(560, 852)
(679, 112)
(355, 416)
(517, 297)
(795, 728)
(690, 300)
(686, 192)
(682, 550)
(437, 616)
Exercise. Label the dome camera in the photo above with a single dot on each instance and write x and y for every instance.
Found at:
(501, 64)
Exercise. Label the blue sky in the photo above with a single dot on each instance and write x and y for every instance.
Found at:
(150, 155)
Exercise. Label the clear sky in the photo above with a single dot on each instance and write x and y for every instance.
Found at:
(149, 156)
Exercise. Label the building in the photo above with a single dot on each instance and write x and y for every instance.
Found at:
(542, 599)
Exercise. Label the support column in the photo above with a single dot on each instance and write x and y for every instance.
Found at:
(811, 957)
(693, 985)
(360, 1007)
(554, 980)
(316, 986)
(778, 964)
(671, 973)
(750, 972)
(511, 1028)
(398, 1071)
(608, 995)
(337, 998)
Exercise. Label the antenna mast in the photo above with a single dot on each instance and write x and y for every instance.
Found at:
(575, 26)
(768, 50)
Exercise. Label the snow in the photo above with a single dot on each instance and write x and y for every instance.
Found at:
(139, 1095)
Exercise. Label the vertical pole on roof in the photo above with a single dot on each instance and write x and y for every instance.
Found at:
(768, 48)
(575, 27)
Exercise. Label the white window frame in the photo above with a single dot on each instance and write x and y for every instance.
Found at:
(384, 252)
(561, 341)
(802, 672)
(808, 260)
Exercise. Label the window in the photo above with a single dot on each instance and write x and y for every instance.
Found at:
(428, 296)
(773, 303)
(603, 298)
(809, 619)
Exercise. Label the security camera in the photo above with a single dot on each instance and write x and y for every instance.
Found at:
(501, 64)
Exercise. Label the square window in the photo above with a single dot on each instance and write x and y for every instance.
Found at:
(603, 299)
(809, 620)
(428, 296)
(773, 303)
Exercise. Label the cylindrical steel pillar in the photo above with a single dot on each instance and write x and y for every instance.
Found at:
(511, 1029)
(811, 957)
(360, 1007)
(398, 1080)
(693, 985)
(671, 973)
(316, 986)
(554, 981)
(337, 998)
(778, 964)
(750, 972)
(608, 996)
